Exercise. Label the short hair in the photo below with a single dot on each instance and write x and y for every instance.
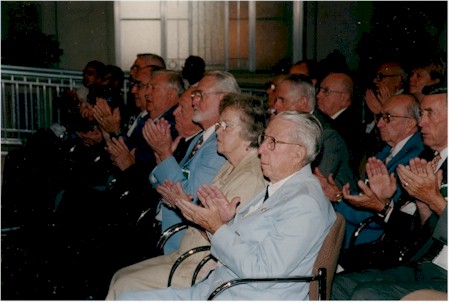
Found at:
(158, 59)
(174, 80)
(226, 83)
(114, 73)
(98, 66)
(252, 115)
(311, 65)
(307, 131)
(435, 89)
(434, 66)
(413, 108)
(303, 87)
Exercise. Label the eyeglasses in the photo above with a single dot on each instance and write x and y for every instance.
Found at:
(381, 76)
(326, 91)
(139, 85)
(137, 68)
(200, 94)
(224, 125)
(272, 142)
(387, 117)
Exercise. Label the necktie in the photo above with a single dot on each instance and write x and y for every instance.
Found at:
(389, 157)
(435, 160)
(196, 147)
(266, 196)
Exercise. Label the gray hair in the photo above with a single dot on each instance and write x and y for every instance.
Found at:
(174, 80)
(251, 114)
(153, 57)
(226, 83)
(302, 86)
(413, 108)
(307, 131)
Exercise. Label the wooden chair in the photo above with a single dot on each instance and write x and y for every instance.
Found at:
(325, 267)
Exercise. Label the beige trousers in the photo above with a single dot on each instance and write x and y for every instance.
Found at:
(154, 273)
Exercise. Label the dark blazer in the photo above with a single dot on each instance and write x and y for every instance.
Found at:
(348, 124)
(334, 156)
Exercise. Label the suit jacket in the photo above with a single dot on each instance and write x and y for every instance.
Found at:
(281, 238)
(136, 140)
(245, 180)
(348, 124)
(202, 167)
(353, 216)
(404, 238)
(334, 156)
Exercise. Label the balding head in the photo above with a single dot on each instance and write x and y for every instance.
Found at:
(398, 118)
(335, 93)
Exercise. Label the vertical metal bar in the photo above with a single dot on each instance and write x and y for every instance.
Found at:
(4, 111)
(297, 31)
(16, 106)
(25, 106)
(117, 33)
(163, 8)
(226, 33)
(252, 36)
(190, 27)
(238, 31)
(32, 105)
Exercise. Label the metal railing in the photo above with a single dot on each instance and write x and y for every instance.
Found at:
(30, 99)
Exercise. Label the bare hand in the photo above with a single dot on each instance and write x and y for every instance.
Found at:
(108, 120)
(383, 93)
(207, 216)
(381, 182)
(419, 181)
(372, 102)
(91, 137)
(368, 200)
(171, 191)
(159, 138)
(211, 193)
(120, 154)
(329, 187)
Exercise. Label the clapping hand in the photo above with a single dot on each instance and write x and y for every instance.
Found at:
(420, 181)
(171, 191)
(121, 156)
(159, 138)
(214, 212)
(382, 187)
(107, 119)
(329, 187)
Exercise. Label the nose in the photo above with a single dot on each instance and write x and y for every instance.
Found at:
(422, 121)
(195, 100)
(380, 122)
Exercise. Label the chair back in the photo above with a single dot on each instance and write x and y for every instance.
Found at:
(328, 255)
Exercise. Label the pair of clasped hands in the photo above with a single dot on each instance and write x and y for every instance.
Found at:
(214, 211)
(417, 178)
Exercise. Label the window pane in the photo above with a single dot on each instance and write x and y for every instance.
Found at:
(139, 37)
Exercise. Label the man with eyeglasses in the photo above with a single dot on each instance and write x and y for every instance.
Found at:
(415, 257)
(277, 233)
(398, 126)
(144, 61)
(202, 161)
(296, 92)
(389, 80)
(335, 99)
